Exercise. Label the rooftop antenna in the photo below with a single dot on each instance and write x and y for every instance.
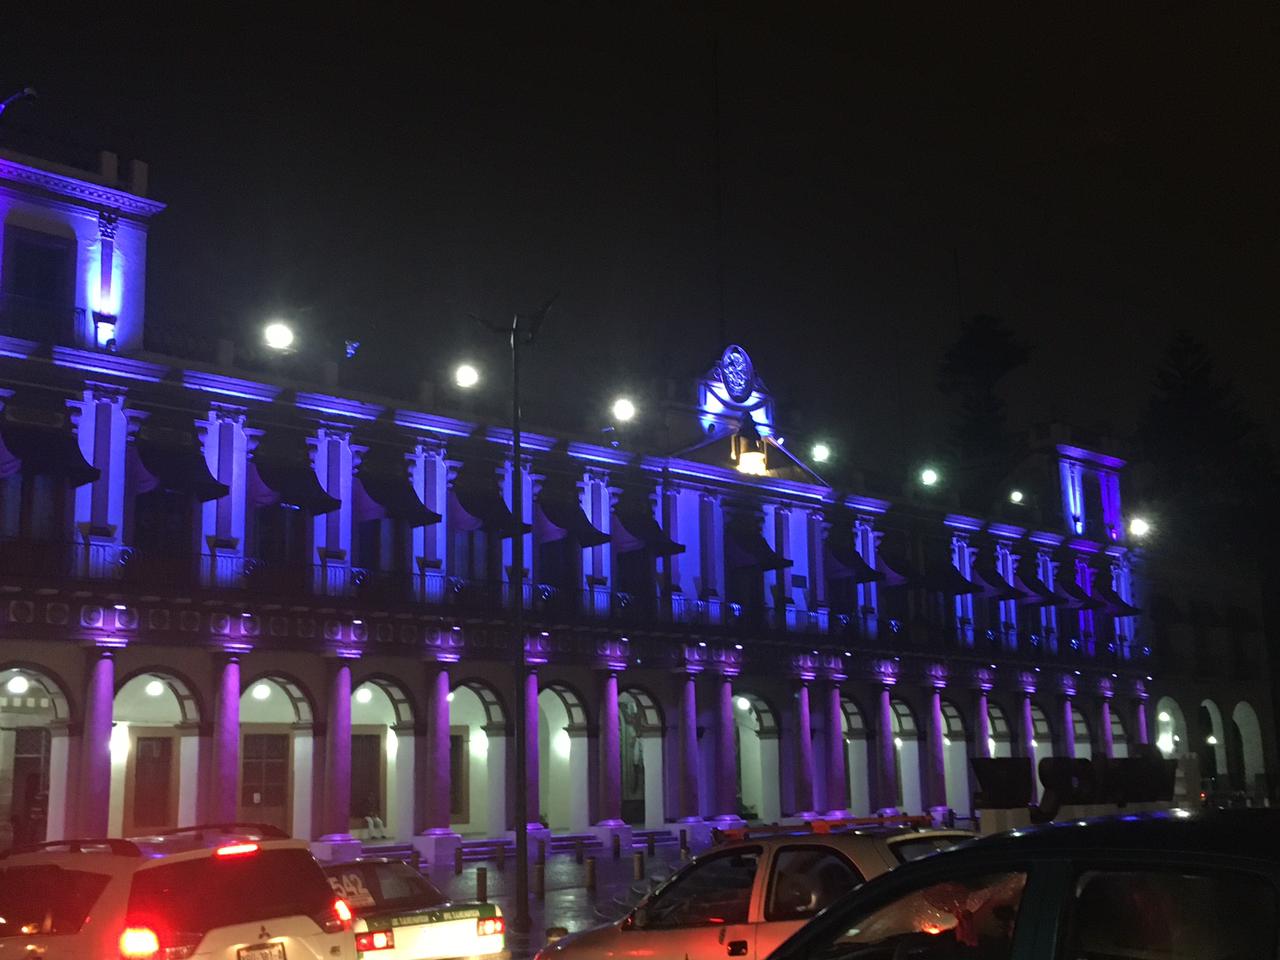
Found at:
(26, 93)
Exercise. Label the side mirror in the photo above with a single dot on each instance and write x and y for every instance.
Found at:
(635, 919)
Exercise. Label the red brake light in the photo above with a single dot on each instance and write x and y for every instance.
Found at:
(342, 910)
(236, 850)
(490, 926)
(139, 943)
(377, 940)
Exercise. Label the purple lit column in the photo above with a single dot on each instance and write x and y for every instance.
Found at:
(837, 772)
(888, 752)
(531, 748)
(726, 751)
(95, 748)
(937, 756)
(1104, 718)
(337, 754)
(225, 769)
(983, 747)
(804, 752)
(611, 746)
(1068, 728)
(689, 749)
(437, 757)
(1140, 721)
(1029, 742)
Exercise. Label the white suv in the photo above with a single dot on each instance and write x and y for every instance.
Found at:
(229, 891)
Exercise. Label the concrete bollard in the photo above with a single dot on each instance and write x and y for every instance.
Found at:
(542, 851)
(501, 854)
(684, 853)
(637, 865)
(482, 884)
(578, 850)
(684, 839)
(617, 847)
(539, 881)
(591, 874)
(457, 861)
(651, 845)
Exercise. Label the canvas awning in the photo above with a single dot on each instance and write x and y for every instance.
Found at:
(1036, 592)
(747, 547)
(942, 577)
(845, 562)
(636, 529)
(170, 458)
(281, 472)
(379, 494)
(896, 570)
(989, 582)
(41, 445)
(478, 506)
(558, 516)
(1115, 604)
(1074, 595)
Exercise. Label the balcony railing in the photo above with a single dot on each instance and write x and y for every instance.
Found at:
(255, 578)
(46, 322)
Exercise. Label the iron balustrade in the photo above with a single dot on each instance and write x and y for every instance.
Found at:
(44, 321)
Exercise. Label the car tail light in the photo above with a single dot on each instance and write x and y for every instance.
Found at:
(377, 940)
(139, 943)
(336, 918)
(236, 850)
(490, 926)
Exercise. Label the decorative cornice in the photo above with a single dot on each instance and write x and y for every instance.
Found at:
(78, 190)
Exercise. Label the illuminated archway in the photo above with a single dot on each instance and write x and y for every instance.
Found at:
(1081, 734)
(1171, 728)
(1211, 745)
(155, 754)
(1253, 760)
(955, 749)
(478, 760)
(1000, 740)
(756, 730)
(382, 761)
(641, 729)
(34, 715)
(906, 742)
(856, 756)
(563, 760)
(277, 754)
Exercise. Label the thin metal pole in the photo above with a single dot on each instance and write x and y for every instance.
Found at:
(520, 918)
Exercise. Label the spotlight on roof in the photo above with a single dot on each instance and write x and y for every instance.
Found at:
(1139, 526)
(278, 335)
(821, 453)
(466, 376)
(623, 410)
(929, 477)
(1015, 496)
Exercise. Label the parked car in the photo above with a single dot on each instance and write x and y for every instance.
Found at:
(744, 898)
(401, 915)
(232, 892)
(1150, 886)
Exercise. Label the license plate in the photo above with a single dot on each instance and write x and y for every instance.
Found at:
(262, 951)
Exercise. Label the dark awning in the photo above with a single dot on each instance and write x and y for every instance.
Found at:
(990, 584)
(845, 562)
(275, 477)
(379, 494)
(1074, 595)
(1115, 604)
(560, 516)
(37, 448)
(636, 529)
(897, 570)
(172, 459)
(479, 506)
(746, 546)
(1036, 592)
(943, 577)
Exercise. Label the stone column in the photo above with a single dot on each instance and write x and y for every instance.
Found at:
(531, 752)
(436, 841)
(225, 769)
(336, 840)
(837, 771)
(937, 755)
(982, 729)
(1028, 742)
(94, 786)
(726, 789)
(804, 754)
(689, 749)
(887, 752)
(611, 749)
(1104, 717)
(1141, 731)
(1068, 728)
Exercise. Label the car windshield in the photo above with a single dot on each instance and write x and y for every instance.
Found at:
(200, 895)
(375, 887)
(46, 899)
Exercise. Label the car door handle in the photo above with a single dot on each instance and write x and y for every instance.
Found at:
(737, 948)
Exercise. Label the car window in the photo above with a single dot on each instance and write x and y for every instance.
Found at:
(44, 899)
(198, 895)
(962, 918)
(383, 886)
(714, 890)
(1156, 915)
(914, 848)
(805, 879)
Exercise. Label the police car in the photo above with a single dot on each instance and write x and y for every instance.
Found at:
(401, 915)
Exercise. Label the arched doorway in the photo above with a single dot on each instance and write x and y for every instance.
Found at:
(1251, 757)
(277, 754)
(382, 761)
(1081, 734)
(563, 763)
(641, 745)
(1119, 737)
(155, 755)
(477, 760)
(1041, 744)
(906, 742)
(955, 750)
(756, 733)
(855, 741)
(1171, 728)
(1000, 738)
(1212, 747)
(33, 757)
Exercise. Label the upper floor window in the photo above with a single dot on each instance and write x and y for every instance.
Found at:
(37, 284)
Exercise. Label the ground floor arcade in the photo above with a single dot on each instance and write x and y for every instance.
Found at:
(107, 740)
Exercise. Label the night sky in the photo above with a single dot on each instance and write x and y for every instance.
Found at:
(1097, 180)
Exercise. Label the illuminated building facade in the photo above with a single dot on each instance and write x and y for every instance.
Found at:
(229, 597)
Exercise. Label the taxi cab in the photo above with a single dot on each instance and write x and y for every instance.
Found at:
(401, 915)
(745, 897)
